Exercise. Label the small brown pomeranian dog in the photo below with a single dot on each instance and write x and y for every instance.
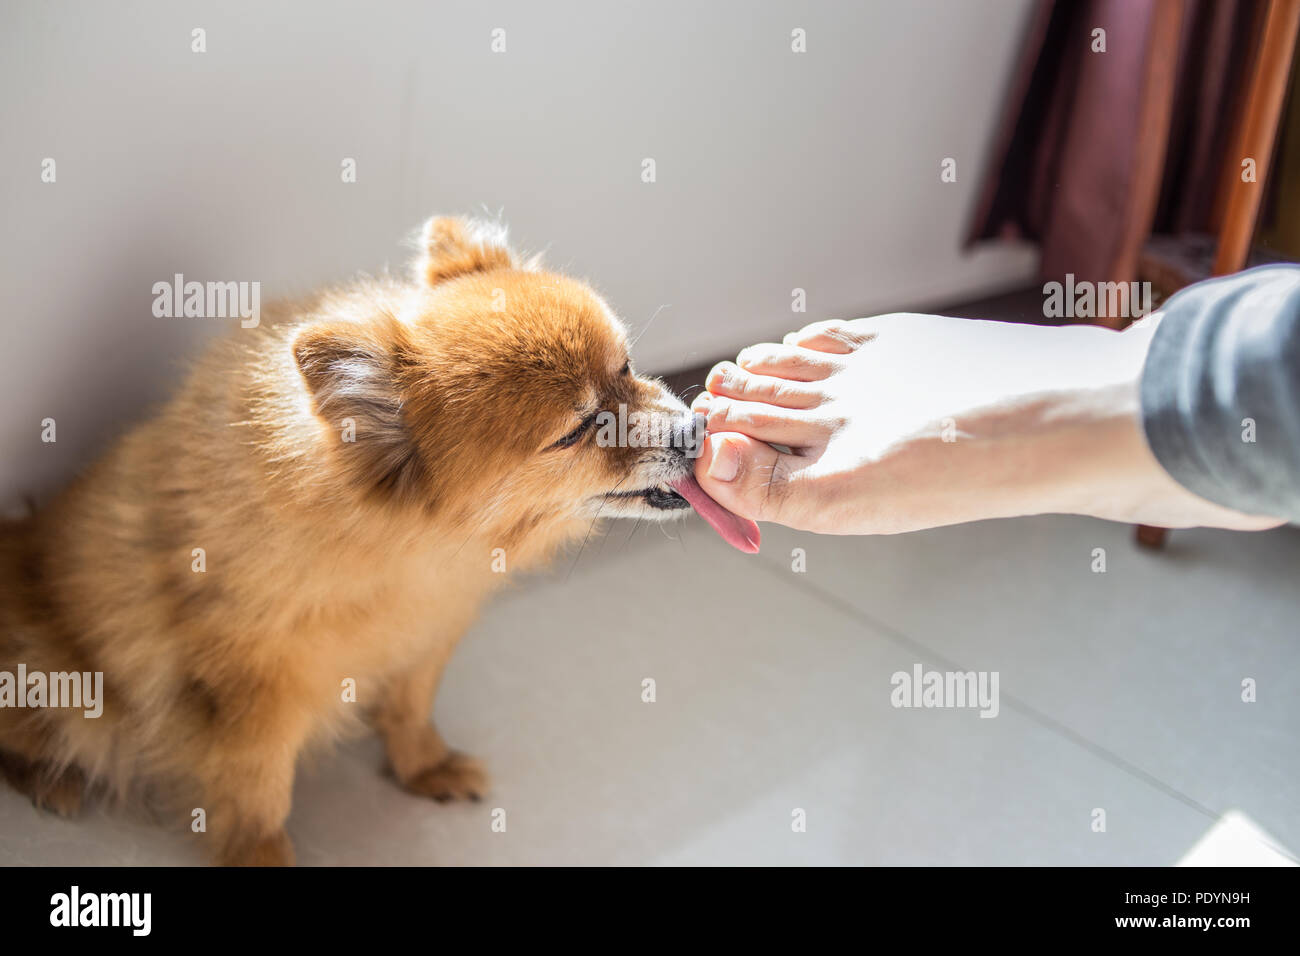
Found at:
(296, 541)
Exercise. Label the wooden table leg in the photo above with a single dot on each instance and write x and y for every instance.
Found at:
(1151, 537)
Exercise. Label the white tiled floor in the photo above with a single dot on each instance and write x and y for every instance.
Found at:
(1119, 691)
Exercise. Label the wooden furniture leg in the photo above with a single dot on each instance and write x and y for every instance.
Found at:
(1256, 140)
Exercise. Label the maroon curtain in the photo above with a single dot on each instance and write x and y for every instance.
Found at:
(1097, 150)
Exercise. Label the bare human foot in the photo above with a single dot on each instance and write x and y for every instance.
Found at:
(908, 421)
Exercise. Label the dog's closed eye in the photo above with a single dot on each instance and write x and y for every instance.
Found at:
(576, 435)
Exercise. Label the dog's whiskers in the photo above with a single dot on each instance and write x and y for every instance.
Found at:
(636, 524)
(590, 527)
(647, 326)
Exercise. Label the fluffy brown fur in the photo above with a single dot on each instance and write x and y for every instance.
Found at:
(326, 559)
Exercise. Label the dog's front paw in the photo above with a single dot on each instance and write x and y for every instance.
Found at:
(62, 796)
(458, 777)
(273, 850)
(59, 791)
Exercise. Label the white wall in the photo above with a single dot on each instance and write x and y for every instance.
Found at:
(775, 170)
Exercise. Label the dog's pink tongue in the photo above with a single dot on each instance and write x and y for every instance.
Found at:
(736, 531)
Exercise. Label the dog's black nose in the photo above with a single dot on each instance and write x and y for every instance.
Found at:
(687, 435)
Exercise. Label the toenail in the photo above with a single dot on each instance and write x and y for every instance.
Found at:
(726, 460)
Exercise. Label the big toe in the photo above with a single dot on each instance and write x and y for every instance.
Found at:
(753, 479)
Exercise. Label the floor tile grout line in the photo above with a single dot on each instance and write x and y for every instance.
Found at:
(1015, 703)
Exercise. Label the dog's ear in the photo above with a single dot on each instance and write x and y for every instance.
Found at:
(453, 247)
(354, 373)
